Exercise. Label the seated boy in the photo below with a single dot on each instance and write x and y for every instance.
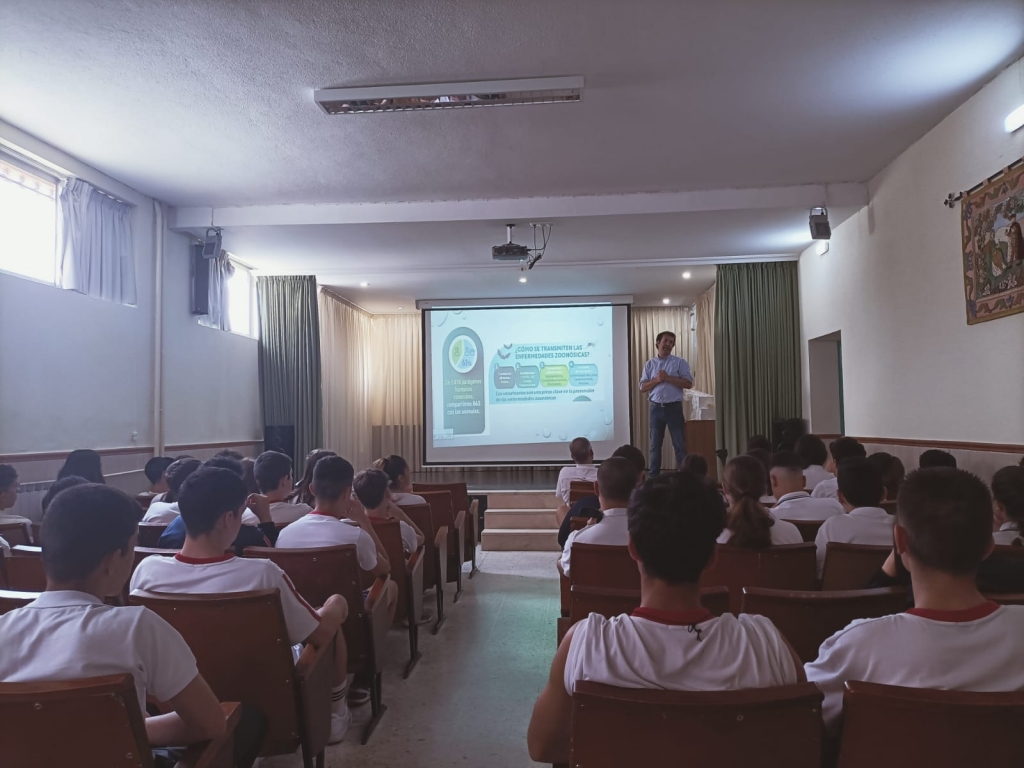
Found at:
(371, 488)
(839, 450)
(69, 632)
(671, 642)
(860, 493)
(338, 519)
(788, 479)
(165, 511)
(211, 502)
(9, 487)
(616, 480)
(583, 468)
(273, 474)
(935, 457)
(813, 455)
(590, 506)
(155, 470)
(953, 639)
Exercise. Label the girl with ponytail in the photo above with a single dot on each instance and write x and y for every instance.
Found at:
(397, 470)
(748, 523)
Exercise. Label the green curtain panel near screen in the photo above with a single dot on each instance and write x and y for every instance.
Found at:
(757, 350)
(290, 359)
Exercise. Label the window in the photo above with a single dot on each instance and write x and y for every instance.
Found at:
(242, 302)
(28, 221)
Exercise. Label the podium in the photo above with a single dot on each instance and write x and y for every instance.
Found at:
(700, 439)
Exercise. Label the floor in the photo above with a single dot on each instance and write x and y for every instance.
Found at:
(469, 700)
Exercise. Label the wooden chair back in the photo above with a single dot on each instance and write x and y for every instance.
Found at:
(37, 534)
(144, 500)
(460, 503)
(887, 726)
(25, 569)
(889, 506)
(578, 523)
(789, 566)
(420, 514)
(11, 599)
(390, 534)
(444, 514)
(724, 729)
(851, 566)
(15, 533)
(580, 489)
(1006, 598)
(599, 565)
(808, 528)
(608, 601)
(150, 533)
(807, 619)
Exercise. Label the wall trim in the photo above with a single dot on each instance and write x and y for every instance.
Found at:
(10, 458)
(947, 445)
(201, 446)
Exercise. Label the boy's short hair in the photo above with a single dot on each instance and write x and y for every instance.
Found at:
(616, 478)
(632, 454)
(580, 449)
(156, 467)
(933, 457)
(860, 482)
(177, 473)
(759, 442)
(1008, 490)
(63, 484)
(332, 477)
(83, 525)
(206, 495)
(8, 475)
(674, 521)
(695, 463)
(892, 471)
(226, 462)
(270, 469)
(788, 460)
(843, 448)
(947, 514)
(663, 334)
(229, 453)
(370, 485)
(811, 450)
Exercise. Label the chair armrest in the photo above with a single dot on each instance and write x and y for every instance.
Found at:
(377, 623)
(219, 753)
(441, 549)
(314, 673)
(564, 589)
(414, 576)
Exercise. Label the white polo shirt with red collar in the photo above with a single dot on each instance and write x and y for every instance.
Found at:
(318, 529)
(69, 635)
(679, 651)
(226, 574)
(1008, 533)
(977, 649)
(815, 474)
(162, 512)
(802, 506)
(862, 525)
(612, 530)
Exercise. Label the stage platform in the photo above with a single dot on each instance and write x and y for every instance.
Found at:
(498, 479)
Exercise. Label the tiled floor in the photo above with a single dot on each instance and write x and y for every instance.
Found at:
(468, 702)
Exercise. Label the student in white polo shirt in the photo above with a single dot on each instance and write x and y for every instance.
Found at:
(748, 524)
(69, 632)
(9, 487)
(398, 472)
(273, 474)
(671, 642)
(860, 493)
(1008, 504)
(788, 479)
(839, 450)
(953, 638)
(371, 489)
(813, 455)
(212, 500)
(339, 519)
(166, 511)
(616, 480)
(583, 468)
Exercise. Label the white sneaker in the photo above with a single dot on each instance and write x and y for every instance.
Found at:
(340, 722)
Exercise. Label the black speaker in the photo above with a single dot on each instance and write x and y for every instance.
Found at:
(280, 439)
(785, 433)
(200, 293)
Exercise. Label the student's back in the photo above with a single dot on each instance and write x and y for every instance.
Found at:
(860, 492)
(748, 524)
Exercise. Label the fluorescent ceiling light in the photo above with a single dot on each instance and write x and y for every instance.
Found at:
(686, 275)
(522, 279)
(401, 308)
(364, 285)
(480, 93)
(1014, 120)
(666, 301)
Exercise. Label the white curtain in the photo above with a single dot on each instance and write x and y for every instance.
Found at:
(96, 257)
(704, 374)
(645, 325)
(221, 270)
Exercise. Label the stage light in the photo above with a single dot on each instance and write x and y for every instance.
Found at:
(821, 247)
(1014, 120)
(666, 301)
(686, 275)
(522, 279)
(820, 228)
(364, 285)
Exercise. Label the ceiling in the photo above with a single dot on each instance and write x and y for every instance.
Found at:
(208, 104)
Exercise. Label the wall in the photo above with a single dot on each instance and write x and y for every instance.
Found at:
(892, 283)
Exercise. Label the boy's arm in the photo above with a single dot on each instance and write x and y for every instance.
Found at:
(197, 717)
(396, 511)
(357, 515)
(548, 734)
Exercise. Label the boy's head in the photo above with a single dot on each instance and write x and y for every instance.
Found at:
(786, 474)
(812, 451)
(155, 469)
(332, 479)
(90, 533)
(759, 442)
(860, 483)
(616, 479)
(944, 521)
(674, 521)
(1008, 495)
(892, 471)
(581, 451)
(841, 449)
(211, 501)
(8, 486)
(273, 472)
(229, 453)
(635, 456)
(695, 463)
(226, 462)
(933, 457)
(176, 475)
(371, 487)
(63, 484)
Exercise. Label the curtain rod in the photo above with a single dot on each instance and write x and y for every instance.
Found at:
(952, 199)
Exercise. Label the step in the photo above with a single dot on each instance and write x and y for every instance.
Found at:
(522, 500)
(520, 518)
(520, 540)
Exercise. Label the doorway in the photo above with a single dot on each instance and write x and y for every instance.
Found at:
(825, 362)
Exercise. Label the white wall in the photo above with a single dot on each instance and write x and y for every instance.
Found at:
(892, 283)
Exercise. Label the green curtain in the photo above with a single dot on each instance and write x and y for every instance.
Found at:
(290, 360)
(757, 350)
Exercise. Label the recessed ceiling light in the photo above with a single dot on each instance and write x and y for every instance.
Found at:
(401, 307)
(364, 285)
(666, 301)
(522, 279)
(1014, 120)
(687, 275)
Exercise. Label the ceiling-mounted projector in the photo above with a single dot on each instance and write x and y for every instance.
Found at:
(509, 251)
(527, 256)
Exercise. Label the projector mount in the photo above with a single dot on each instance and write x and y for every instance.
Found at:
(527, 257)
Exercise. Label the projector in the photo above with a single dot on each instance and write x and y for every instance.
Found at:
(509, 252)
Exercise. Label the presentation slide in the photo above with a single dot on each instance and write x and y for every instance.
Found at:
(516, 384)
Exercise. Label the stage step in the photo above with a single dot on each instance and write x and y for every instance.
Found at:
(519, 518)
(520, 540)
(522, 500)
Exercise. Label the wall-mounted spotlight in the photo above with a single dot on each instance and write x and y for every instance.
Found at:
(820, 228)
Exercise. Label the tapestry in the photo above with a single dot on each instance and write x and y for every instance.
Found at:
(993, 247)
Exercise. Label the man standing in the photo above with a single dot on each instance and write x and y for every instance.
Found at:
(664, 379)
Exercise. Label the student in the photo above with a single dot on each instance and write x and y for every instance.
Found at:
(892, 471)
(616, 479)
(748, 524)
(813, 453)
(70, 633)
(671, 642)
(583, 468)
(249, 475)
(229, 453)
(590, 506)
(1008, 504)
(953, 639)
(397, 470)
(83, 463)
(273, 473)
(338, 519)
(9, 487)
(302, 493)
(933, 457)
(695, 463)
(788, 478)
(759, 443)
(860, 493)
(371, 488)
(212, 500)
(839, 450)
(765, 458)
(156, 473)
(65, 482)
(166, 511)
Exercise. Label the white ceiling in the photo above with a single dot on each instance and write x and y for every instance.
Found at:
(209, 103)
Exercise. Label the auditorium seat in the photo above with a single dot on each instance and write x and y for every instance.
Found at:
(408, 575)
(11, 599)
(24, 569)
(241, 646)
(144, 500)
(435, 552)
(807, 619)
(461, 503)
(808, 528)
(789, 566)
(598, 565)
(91, 721)
(887, 726)
(851, 566)
(580, 489)
(1006, 598)
(614, 727)
(150, 533)
(15, 533)
(442, 512)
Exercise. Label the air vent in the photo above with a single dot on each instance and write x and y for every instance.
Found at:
(416, 98)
